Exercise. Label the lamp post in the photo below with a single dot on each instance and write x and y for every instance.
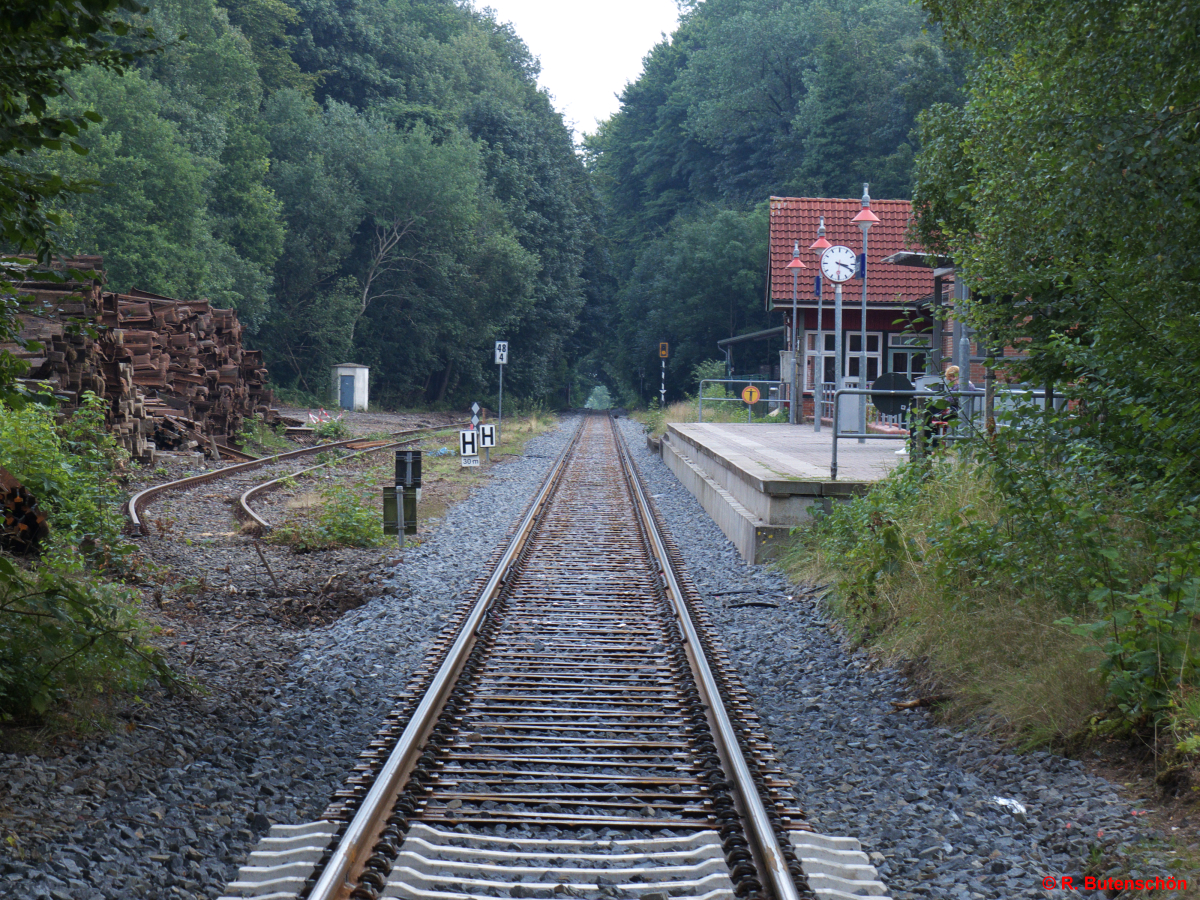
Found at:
(864, 220)
(820, 245)
(795, 265)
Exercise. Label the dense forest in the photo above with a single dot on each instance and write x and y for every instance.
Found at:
(376, 181)
(383, 182)
(750, 98)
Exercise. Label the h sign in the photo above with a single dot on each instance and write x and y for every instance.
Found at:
(487, 436)
(501, 352)
(468, 443)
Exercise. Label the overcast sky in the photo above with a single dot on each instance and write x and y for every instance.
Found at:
(589, 50)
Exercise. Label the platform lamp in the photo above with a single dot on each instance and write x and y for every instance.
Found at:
(795, 265)
(819, 246)
(864, 220)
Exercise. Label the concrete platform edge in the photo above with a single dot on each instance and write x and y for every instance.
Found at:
(755, 539)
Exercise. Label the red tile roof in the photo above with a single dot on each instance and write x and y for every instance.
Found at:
(796, 219)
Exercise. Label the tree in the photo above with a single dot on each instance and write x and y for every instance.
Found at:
(41, 44)
(702, 281)
(1068, 188)
(179, 201)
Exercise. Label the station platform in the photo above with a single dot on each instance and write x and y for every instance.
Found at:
(757, 481)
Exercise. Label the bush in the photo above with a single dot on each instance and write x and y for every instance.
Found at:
(63, 635)
(344, 520)
(70, 468)
(63, 632)
(1042, 585)
(710, 368)
(654, 418)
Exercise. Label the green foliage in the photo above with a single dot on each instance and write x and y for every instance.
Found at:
(44, 42)
(433, 203)
(265, 24)
(1043, 522)
(599, 398)
(1067, 185)
(702, 281)
(344, 520)
(70, 469)
(64, 635)
(259, 437)
(380, 180)
(180, 204)
(654, 417)
(710, 369)
(331, 430)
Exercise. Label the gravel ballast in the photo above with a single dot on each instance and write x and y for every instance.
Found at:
(932, 807)
(173, 805)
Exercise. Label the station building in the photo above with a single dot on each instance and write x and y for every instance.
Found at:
(904, 288)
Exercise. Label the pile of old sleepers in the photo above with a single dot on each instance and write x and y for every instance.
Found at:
(173, 373)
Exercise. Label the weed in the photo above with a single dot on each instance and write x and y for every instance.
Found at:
(259, 437)
(342, 520)
(331, 430)
(923, 569)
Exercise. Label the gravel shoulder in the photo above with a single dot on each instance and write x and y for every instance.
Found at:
(171, 800)
(942, 813)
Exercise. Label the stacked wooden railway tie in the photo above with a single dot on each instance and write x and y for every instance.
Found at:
(174, 372)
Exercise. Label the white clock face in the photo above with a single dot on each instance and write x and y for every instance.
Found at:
(839, 264)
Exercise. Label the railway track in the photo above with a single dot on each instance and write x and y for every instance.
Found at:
(576, 732)
(137, 504)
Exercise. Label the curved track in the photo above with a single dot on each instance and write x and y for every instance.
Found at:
(138, 502)
(578, 735)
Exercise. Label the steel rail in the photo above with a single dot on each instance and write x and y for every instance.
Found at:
(361, 833)
(134, 507)
(244, 500)
(762, 834)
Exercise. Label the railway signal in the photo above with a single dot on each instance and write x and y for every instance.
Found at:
(501, 360)
(750, 396)
(400, 502)
(664, 353)
(468, 448)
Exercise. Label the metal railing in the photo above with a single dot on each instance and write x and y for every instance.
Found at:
(827, 391)
(875, 436)
(776, 401)
(964, 417)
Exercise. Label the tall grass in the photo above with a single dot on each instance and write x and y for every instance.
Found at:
(1043, 602)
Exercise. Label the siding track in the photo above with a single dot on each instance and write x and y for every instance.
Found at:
(577, 733)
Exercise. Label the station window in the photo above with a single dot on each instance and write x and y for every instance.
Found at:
(874, 356)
